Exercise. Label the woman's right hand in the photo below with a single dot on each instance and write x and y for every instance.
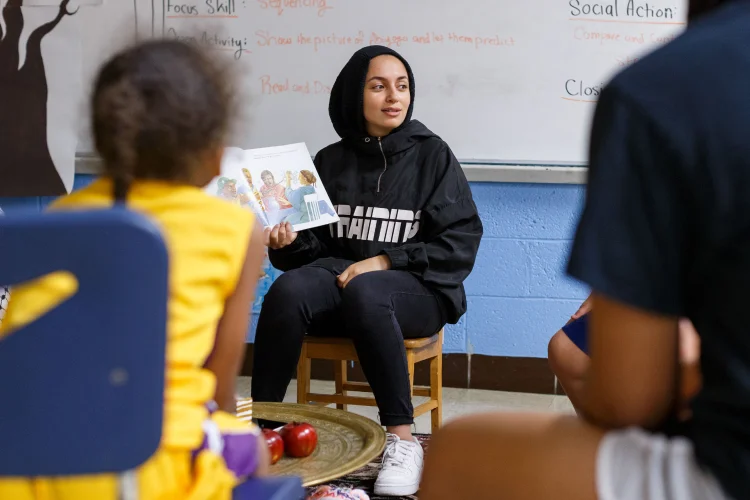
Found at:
(279, 236)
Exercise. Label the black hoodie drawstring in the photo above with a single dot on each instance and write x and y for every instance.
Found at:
(385, 163)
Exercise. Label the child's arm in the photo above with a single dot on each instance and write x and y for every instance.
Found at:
(229, 349)
(632, 379)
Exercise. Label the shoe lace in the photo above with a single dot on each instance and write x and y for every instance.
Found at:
(395, 454)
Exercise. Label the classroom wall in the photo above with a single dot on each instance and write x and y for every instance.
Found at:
(518, 294)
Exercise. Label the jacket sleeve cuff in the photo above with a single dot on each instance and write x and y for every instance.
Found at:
(399, 258)
(298, 244)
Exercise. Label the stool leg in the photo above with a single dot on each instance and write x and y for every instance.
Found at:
(339, 368)
(436, 391)
(410, 366)
(303, 377)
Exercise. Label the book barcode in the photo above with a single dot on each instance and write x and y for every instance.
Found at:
(313, 206)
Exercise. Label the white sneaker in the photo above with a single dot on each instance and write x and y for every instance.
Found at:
(402, 468)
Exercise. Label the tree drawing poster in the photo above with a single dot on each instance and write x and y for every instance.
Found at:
(40, 92)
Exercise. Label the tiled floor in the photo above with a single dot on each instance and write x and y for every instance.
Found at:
(456, 402)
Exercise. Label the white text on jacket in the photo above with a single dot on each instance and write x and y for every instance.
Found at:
(367, 223)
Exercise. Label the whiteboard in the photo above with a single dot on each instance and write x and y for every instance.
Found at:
(511, 81)
(107, 28)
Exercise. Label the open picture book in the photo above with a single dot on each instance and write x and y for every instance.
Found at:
(280, 184)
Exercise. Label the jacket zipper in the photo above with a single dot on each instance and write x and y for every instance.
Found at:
(385, 163)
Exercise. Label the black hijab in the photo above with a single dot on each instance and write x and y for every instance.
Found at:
(346, 106)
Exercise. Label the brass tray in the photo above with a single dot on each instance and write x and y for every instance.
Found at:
(346, 441)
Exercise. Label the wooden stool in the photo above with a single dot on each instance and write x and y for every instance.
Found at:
(341, 351)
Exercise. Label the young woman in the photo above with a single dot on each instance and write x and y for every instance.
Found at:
(392, 268)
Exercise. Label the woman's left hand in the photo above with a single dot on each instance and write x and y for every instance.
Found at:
(379, 263)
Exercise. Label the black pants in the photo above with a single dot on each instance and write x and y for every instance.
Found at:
(376, 310)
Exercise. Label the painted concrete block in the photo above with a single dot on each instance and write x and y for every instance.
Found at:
(500, 326)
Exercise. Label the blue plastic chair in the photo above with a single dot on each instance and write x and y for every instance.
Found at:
(82, 386)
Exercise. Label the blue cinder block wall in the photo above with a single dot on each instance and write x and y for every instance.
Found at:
(518, 294)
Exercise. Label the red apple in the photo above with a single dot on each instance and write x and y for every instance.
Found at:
(275, 444)
(300, 439)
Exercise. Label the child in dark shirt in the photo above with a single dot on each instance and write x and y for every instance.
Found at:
(665, 235)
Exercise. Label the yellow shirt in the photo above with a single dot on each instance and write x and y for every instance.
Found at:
(207, 240)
